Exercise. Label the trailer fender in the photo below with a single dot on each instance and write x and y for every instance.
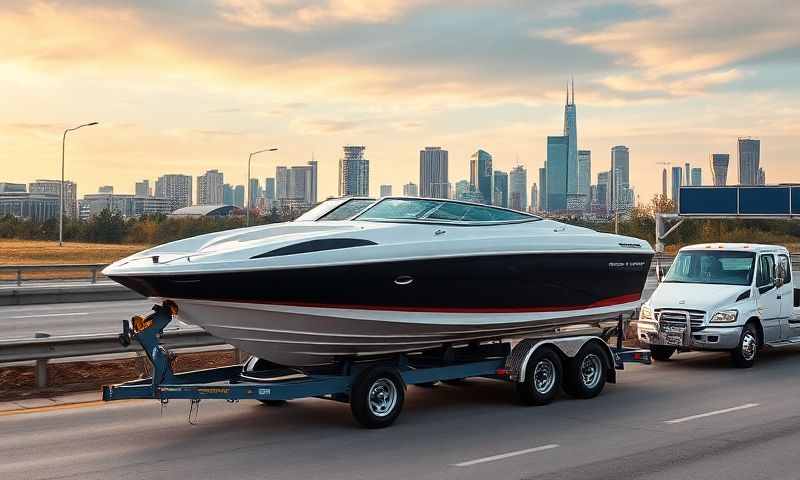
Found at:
(568, 347)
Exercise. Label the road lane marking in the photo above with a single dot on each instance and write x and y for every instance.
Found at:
(51, 315)
(506, 455)
(709, 414)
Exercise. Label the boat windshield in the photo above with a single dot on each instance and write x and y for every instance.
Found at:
(713, 267)
(336, 209)
(438, 211)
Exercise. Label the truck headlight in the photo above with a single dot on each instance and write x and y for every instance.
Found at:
(645, 313)
(725, 316)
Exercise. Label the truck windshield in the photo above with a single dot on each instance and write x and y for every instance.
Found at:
(712, 266)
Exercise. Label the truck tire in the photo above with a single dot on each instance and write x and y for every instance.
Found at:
(376, 398)
(746, 353)
(585, 375)
(542, 377)
(662, 353)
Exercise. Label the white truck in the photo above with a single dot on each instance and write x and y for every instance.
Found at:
(733, 297)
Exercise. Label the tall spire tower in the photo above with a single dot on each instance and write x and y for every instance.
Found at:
(571, 131)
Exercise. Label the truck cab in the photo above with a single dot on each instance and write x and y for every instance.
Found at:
(731, 297)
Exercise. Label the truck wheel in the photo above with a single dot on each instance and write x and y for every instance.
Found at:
(542, 378)
(745, 354)
(662, 353)
(585, 375)
(377, 397)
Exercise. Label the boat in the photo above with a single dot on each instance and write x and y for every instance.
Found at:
(364, 277)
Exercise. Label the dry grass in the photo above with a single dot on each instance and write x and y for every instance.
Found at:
(33, 252)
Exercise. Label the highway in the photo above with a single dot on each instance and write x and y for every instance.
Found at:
(22, 321)
(695, 417)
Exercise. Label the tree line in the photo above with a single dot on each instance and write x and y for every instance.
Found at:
(111, 227)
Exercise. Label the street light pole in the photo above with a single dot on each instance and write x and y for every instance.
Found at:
(249, 202)
(61, 188)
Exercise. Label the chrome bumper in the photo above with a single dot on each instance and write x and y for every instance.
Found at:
(709, 338)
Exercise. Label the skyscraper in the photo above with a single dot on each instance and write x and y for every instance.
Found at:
(238, 196)
(718, 162)
(142, 189)
(311, 198)
(500, 197)
(433, 182)
(252, 193)
(176, 188)
(461, 189)
(571, 132)
(410, 190)
(281, 183)
(353, 172)
(386, 190)
(584, 175)
(227, 194)
(620, 174)
(697, 176)
(557, 166)
(749, 160)
(518, 188)
(677, 181)
(534, 206)
(480, 175)
(761, 178)
(209, 188)
(543, 189)
(687, 173)
(603, 191)
(664, 183)
(269, 188)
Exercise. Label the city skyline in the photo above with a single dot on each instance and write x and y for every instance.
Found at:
(649, 73)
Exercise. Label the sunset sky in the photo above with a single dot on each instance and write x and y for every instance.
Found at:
(187, 86)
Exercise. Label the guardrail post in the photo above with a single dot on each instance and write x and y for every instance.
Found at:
(41, 365)
(19, 277)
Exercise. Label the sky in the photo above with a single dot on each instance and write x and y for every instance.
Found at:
(184, 87)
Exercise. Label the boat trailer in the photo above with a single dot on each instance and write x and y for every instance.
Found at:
(375, 387)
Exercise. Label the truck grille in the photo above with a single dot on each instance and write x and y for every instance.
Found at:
(678, 318)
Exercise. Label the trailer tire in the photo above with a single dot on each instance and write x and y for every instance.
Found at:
(542, 377)
(746, 352)
(376, 398)
(662, 353)
(585, 375)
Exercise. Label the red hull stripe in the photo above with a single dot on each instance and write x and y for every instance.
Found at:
(608, 302)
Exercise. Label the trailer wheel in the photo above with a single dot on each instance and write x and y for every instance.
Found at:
(585, 374)
(662, 353)
(542, 377)
(377, 397)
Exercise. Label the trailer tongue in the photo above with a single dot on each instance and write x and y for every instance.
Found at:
(375, 387)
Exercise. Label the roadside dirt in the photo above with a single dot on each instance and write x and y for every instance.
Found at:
(20, 382)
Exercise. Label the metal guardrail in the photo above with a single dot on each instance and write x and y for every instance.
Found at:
(45, 348)
(93, 268)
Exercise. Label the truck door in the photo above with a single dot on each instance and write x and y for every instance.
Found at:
(790, 326)
(768, 306)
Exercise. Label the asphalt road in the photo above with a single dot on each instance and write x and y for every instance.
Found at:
(22, 321)
(695, 417)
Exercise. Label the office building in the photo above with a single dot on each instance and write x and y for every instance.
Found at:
(677, 181)
(749, 150)
(227, 194)
(571, 132)
(585, 175)
(353, 172)
(718, 163)
(620, 174)
(386, 190)
(461, 188)
(557, 166)
(176, 188)
(480, 175)
(687, 174)
(238, 196)
(53, 187)
(126, 205)
(142, 189)
(518, 188)
(209, 188)
(38, 207)
(269, 188)
(253, 190)
(433, 179)
(603, 192)
(697, 177)
(761, 177)
(106, 189)
(500, 197)
(410, 190)
(534, 205)
(543, 189)
(281, 183)
(664, 183)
